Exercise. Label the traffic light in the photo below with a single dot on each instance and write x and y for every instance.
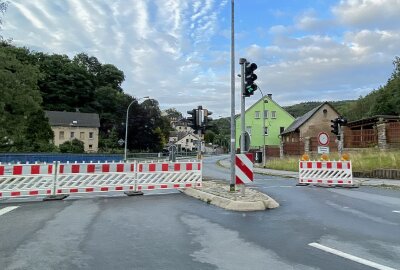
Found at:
(249, 78)
(342, 121)
(335, 126)
(193, 119)
(207, 119)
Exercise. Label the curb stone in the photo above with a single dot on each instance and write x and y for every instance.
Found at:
(235, 205)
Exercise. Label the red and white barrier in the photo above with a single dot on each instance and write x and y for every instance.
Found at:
(244, 168)
(325, 172)
(68, 178)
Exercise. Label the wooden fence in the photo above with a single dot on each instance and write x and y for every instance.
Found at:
(360, 138)
(393, 133)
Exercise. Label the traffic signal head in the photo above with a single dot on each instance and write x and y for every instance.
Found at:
(249, 78)
(207, 117)
(335, 126)
(192, 119)
(342, 121)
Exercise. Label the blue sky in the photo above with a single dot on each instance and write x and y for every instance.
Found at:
(178, 51)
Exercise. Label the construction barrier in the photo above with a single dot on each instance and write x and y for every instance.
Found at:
(325, 172)
(67, 178)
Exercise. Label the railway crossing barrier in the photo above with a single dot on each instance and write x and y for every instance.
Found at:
(331, 173)
(63, 179)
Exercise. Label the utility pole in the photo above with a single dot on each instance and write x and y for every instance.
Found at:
(233, 127)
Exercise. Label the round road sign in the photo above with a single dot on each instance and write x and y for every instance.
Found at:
(323, 138)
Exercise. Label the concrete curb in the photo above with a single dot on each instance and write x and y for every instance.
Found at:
(228, 204)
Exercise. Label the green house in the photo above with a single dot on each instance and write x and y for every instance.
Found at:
(276, 121)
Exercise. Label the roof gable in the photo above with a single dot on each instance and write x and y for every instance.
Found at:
(299, 121)
(262, 100)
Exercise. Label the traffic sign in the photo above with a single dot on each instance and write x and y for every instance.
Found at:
(323, 149)
(244, 168)
(121, 141)
(323, 139)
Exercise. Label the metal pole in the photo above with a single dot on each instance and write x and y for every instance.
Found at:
(263, 126)
(242, 62)
(199, 144)
(126, 130)
(233, 126)
(340, 143)
(126, 125)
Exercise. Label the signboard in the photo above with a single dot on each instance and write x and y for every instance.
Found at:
(323, 149)
(323, 139)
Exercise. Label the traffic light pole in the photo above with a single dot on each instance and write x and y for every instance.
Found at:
(340, 143)
(242, 62)
(199, 145)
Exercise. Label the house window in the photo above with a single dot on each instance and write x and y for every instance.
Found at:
(248, 130)
(82, 135)
(187, 140)
(72, 134)
(325, 112)
(257, 115)
(281, 129)
(265, 131)
(191, 140)
(266, 114)
(90, 135)
(90, 146)
(273, 114)
(61, 135)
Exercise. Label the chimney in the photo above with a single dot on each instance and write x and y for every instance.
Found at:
(270, 96)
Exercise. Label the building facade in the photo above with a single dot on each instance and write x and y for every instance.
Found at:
(276, 120)
(75, 125)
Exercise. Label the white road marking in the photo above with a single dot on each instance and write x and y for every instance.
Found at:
(7, 209)
(395, 211)
(351, 257)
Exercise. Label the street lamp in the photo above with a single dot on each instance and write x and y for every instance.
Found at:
(263, 126)
(126, 124)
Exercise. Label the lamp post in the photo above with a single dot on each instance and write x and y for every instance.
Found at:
(263, 126)
(126, 124)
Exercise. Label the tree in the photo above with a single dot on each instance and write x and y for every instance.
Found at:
(20, 101)
(209, 136)
(173, 114)
(74, 146)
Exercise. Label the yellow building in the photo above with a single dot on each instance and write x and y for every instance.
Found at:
(75, 125)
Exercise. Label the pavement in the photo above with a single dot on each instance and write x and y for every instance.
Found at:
(314, 228)
(288, 174)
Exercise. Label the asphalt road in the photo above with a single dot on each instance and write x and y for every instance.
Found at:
(172, 231)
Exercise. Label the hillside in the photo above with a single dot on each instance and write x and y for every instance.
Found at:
(299, 109)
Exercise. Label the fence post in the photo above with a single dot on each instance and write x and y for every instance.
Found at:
(135, 191)
(281, 152)
(381, 128)
(54, 196)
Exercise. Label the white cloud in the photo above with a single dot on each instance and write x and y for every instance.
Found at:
(382, 14)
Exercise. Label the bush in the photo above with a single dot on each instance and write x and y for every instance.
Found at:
(74, 146)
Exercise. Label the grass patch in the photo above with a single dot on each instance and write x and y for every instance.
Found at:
(366, 160)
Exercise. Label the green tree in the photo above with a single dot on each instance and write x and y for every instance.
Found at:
(173, 114)
(209, 136)
(20, 102)
(74, 146)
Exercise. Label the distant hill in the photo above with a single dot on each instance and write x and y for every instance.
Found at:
(299, 109)
(384, 100)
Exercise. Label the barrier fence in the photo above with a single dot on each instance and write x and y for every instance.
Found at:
(325, 172)
(68, 178)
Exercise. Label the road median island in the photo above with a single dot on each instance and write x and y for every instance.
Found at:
(217, 193)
